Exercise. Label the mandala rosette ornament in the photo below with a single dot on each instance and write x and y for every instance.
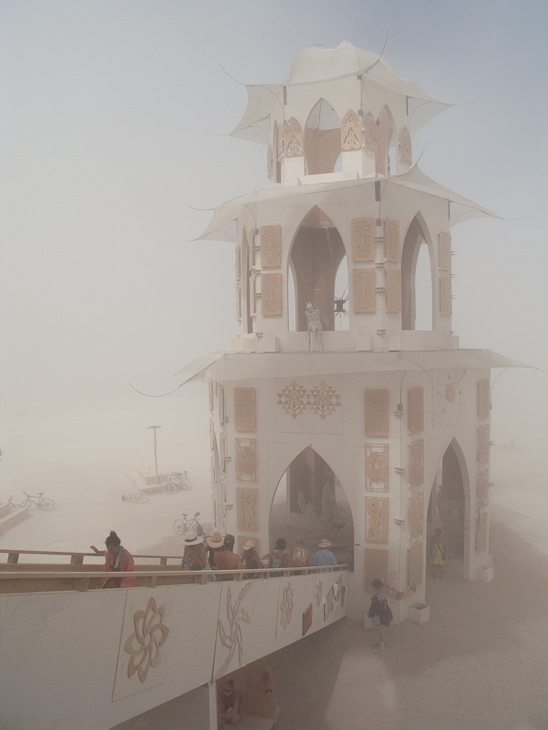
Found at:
(144, 644)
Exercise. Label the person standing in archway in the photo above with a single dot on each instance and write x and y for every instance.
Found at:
(438, 556)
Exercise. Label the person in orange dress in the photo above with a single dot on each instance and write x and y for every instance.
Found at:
(117, 560)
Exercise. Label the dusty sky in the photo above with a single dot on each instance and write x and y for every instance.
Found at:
(115, 117)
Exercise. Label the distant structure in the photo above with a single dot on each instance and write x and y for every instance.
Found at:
(393, 420)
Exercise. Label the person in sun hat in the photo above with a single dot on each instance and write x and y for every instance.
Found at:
(250, 560)
(225, 559)
(214, 543)
(324, 556)
(194, 556)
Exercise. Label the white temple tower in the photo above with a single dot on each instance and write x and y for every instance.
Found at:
(380, 422)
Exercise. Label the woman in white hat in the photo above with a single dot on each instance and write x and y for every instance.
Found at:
(250, 560)
(195, 556)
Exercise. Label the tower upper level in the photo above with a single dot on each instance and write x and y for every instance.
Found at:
(340, 113)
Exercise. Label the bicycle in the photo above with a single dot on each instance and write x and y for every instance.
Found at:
(138, 497)
(177, 481)
(37, 499)
(182, 526)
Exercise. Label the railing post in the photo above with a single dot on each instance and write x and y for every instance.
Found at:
(13, 558)
(76, 559)
(82, 584)
(163, 561)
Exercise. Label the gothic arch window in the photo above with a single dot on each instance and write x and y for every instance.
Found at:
(322, 139)
(385, 157)
(417, 277)
(316, 255)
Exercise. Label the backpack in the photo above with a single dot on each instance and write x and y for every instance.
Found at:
(299, 557)
(385, 614)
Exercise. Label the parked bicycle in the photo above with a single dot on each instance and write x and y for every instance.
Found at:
(177, 481)
(138, 497)
(40, 501)
(182, 526)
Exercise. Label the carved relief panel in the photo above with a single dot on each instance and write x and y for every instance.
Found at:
(246, 460)
(415, 564)
(293, 138)
(416, 463)
(483, 399)
(416, 410)
(271, 295)
(245, 416)
(376, 566)
(370, 135)
(446, 300)
(247, 509)
(271, 247)
(481, 532)
(393, 291)
(376, 519)
(351, 131)
(406, 156)
(482, 488)
(376, 468)
(364, 290)
(483, 444)
(444, 251)
(416, 515)
(376, 412)
(363, 239)
(392, 239)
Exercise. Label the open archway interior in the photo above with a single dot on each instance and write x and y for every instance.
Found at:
(316, 255)
(416, 281)
(310, 503)
(322, 139)
(447, 504)
(423, 290)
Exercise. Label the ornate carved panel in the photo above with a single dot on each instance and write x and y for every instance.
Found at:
(406, 156)
(416, 515)
(323, 400)
(363, 239)
(370, 135)
(483, 444)
(415, 564)
(365, 293)
(483, 399)
(482, 488)
(247, 509)
(351, 132)
(376, 468)
(376, 412)
(448, 397)
(416, 463)
(481, 532)
(446, 301)
(241, 541)
(376, 566)
(271, 296)
(393, 291)
(245, 409)
(293, 138)
(376, 519)
(444, 251)
(416, 410)
(246, 460)
(271, 247)
(392, 239)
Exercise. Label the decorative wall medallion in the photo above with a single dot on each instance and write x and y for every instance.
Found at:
(444, 251)
(246, 460)
(393, 291)
(483, 444)
(231, 637)
(416, 463)
(446, 300)
(481, 532)
(351, 131)
(364, 284)
(376, 467)
(245, 409)
(416, 410)
(376, 519)
(271, 247)
(247, 509)
(370, 135)
(482, 488)
(448, 397)
(363, 239)
(392, 238)
(323, 400)
(376, 566)
(483, 399)
(271, 295)
(145, 642)
(293, 138)
(293, 399)
(376, 412)
(416, 515)
(406, 156)
(415, 564)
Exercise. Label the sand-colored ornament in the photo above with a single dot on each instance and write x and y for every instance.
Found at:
(446, 297)
(271, 295)
(351, 132)
(247, 499)
(415, 564)
(370, 135)
(416, 463)
(246, 460)
(393, 291)
(444, 251)
(376, 519)
(271, 247)
(376, 412)
(376, 468)
(483, 399)
(363, 239)
(405, 149)
(416, 410)
(365, 293)
(293, 138)
(416, 515)
(245, 409)
(376, 566)
(392, 240)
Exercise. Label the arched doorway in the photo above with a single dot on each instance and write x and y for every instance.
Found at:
(322, 139)
(310, 503)
(415, 291)
(316, 255)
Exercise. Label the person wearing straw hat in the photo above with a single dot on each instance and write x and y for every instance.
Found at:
(214, 543)
(324, 556)
(194, 556)
(250, 560)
